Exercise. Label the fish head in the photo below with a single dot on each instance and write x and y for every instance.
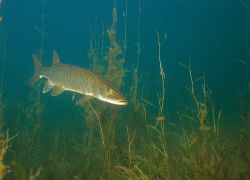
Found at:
(114, 97)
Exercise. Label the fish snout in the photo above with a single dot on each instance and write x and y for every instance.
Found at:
(115, 97)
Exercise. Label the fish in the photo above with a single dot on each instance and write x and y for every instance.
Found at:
(64, 77)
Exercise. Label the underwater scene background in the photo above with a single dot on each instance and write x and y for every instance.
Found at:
(182, 65)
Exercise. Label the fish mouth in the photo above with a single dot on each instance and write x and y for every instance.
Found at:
(116, 98)
(120, 102)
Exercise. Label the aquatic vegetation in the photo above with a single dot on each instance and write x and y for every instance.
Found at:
(4, 145)
(202, 149)
(96, 141)
(1, 113)
(5, 140)
(115, 70)
(135, 82)
(241, 161)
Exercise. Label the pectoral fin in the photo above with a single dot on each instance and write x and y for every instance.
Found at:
(83, 100)
(56, 90)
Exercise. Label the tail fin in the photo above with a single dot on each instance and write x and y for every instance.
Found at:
(38, 66)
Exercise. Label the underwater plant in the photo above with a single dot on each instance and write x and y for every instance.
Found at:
(140, 141)
(5, 140)
(4, 145)
(203, 151)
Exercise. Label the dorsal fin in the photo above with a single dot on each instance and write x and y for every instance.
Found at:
(56, 59)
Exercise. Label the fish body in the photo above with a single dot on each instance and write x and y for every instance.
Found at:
(63, 77)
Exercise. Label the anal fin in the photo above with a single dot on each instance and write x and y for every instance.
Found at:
(56, 90)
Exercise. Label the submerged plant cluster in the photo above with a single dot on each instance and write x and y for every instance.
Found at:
(100, 141)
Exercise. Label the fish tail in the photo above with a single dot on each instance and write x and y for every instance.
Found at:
(38, 66)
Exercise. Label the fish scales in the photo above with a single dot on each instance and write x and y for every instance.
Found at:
(73, 78)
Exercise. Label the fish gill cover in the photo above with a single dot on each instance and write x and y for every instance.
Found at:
(183, 68)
